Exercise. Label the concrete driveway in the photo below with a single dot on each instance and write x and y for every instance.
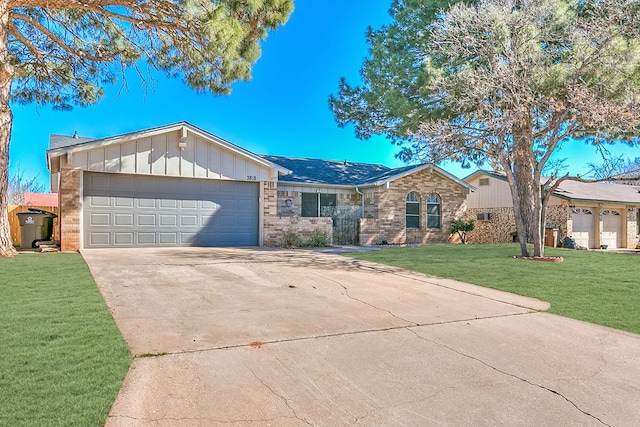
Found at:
(287, 338)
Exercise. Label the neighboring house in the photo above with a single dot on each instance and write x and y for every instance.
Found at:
(593, 214)
(178, 185)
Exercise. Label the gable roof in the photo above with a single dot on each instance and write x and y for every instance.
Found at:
(344, 173)
(302, 171)
(60, 144)
(584, 191)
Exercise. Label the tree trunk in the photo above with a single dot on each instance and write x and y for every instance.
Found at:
(525, 190)
(6, 120)
(538, 219)
(518, 216)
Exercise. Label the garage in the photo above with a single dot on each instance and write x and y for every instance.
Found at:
(173, 185)
(611, 228)
(583, 226)
(121, 210)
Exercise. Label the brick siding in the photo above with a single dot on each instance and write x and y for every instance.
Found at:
(70, 201)
(633, 228)
(385, 211)
(501, 227)
(280, 219)
(386, 219)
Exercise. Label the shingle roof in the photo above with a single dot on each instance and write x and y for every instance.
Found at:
(599, 191)
(62, 141)
(304, 171)
(327, 172)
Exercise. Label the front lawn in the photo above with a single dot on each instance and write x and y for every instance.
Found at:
(598, 287)
(63, 359)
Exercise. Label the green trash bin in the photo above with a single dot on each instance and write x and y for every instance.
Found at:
(35, 225)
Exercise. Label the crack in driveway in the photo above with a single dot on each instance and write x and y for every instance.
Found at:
(348, 295)
(330, 335)
(524, 380)
(278, 395)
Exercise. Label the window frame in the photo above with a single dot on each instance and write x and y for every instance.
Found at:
(412, 215)
(430, 216)
(313, 202)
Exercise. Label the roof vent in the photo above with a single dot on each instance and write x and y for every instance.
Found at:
(75, 134)
(345, 162)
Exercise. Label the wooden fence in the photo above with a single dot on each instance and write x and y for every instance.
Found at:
(14, 223)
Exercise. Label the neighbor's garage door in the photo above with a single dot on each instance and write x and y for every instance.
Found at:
(611, 228)
(131, 210)
(583, 227)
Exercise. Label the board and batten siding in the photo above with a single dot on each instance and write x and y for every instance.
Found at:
(496, 194)
(160, 155)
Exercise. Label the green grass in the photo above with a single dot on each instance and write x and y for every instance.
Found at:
(62, 358)
(598, 287)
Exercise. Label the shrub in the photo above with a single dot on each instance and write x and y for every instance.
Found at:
(462, 227)
(291, 240)
(318, 239)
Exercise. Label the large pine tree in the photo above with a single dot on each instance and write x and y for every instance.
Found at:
(62, 52)
(503, 82)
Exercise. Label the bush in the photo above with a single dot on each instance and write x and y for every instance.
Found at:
(462, 227)
(318, 239)
(291, 240)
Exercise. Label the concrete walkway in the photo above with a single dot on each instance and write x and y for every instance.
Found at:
(287, 338)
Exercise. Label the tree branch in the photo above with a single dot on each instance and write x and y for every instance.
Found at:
(59, 41)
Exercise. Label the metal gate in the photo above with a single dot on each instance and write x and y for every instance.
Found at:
(346, 231)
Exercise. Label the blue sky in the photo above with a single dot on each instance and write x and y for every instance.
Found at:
(283, 110)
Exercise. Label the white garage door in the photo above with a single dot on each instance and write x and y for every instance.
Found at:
(611, 228)
(122, 210)
(583, 227)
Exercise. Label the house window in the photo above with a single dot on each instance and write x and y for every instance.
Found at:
(433, 211)
(413, 210)
(318, 204)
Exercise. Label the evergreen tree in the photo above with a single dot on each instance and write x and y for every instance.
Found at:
(503, 82)
(63, 52)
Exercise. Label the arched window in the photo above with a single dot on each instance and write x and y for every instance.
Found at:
(434, 219)
(413, 210)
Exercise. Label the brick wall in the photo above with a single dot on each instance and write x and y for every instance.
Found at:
(633, 228)
(69, 200)
(502, 224)
(280, 218)
(497, 229)
(385, 211)
(385, 219)
(275, 228)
